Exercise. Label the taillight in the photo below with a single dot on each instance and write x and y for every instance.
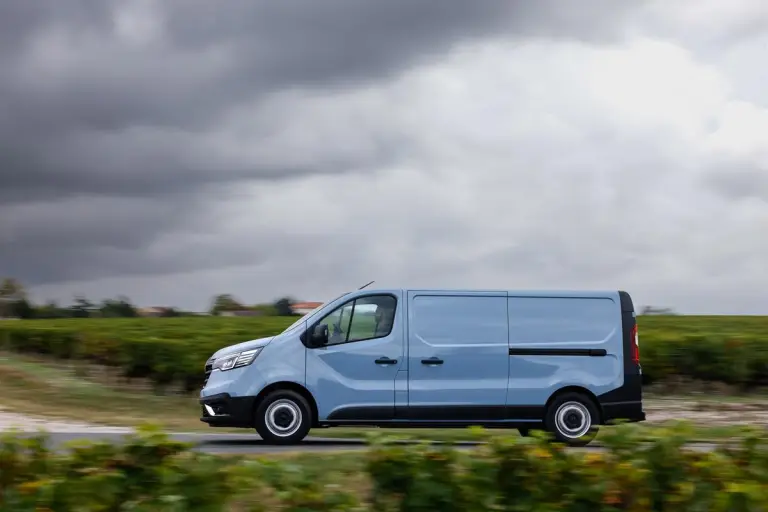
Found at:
(635, 346)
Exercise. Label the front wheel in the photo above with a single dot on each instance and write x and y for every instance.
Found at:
(283, 417)
(573, 419)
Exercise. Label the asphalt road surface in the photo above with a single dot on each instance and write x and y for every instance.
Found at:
(252, 444)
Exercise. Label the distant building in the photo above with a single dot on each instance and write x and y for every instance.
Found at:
(302, 308)
(153, 311)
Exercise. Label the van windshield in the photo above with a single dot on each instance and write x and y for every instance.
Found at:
(300, 320)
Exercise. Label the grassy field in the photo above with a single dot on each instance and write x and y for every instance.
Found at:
(126, 371)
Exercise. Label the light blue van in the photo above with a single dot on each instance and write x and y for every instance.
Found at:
(566, 362)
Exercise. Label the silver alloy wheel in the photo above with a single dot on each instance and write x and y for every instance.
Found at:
(283, 418)
(573, 420)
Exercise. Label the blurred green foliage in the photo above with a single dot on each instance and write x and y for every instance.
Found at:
(727, 349)
(634, 472)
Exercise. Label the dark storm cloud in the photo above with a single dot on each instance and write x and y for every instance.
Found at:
(90, 117)
(210, 58)
(22, 21)
(301, 41)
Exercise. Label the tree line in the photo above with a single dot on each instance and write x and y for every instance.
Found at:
(15, 303)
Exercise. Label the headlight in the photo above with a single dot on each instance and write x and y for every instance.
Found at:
(236, 360)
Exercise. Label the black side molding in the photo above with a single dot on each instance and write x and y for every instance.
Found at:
(584, 352)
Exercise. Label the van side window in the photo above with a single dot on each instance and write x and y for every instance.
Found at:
(362, 319)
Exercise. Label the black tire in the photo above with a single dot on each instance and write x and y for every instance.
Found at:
(276, 414)
(573, 419)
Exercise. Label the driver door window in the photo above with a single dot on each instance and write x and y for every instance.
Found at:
(362, 319)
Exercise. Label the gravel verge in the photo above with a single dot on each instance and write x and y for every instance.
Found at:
(24, 423)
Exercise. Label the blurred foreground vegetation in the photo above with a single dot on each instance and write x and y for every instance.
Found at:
(149, 472)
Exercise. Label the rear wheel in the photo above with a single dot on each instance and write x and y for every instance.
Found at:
(573, 419)
(283, 417)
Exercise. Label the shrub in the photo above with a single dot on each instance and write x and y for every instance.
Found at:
(150, 473)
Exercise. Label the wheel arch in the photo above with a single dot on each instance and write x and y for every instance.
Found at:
(289, 386)
(581, 390)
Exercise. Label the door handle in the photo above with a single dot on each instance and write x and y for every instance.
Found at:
(432, 360)
(386, 360)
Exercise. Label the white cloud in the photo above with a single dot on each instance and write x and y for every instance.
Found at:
(742, 132)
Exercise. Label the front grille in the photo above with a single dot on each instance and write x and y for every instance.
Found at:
(208, 370)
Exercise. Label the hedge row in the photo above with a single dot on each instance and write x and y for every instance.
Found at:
(732, 350)
(149, 473)
(164, 350)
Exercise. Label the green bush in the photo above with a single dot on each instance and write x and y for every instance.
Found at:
(728, 349)
(513, 474)
(150, 473)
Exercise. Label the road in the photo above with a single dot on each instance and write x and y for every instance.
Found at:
(252, 444)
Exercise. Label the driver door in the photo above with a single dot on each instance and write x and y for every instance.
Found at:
(352, 377)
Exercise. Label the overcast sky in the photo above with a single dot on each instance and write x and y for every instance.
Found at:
(171, 150)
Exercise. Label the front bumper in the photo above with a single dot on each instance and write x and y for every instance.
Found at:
(223, 410)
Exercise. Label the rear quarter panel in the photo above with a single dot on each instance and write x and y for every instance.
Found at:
(563, 321)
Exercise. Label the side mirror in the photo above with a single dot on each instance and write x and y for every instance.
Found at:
(319, 336)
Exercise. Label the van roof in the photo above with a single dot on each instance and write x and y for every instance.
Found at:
(518, 292)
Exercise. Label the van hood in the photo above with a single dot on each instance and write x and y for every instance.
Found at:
(246, 345)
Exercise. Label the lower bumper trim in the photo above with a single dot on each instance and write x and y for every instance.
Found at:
(223, 410)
